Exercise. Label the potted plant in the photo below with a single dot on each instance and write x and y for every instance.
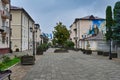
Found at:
(99, 52)
(61, 50)
(40, 50)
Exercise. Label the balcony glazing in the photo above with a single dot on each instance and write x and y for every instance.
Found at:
(6, 1)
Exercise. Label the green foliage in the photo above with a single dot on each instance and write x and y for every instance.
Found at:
(5, 59)
(61, 34)
(69, 44)
(7, 64)
(54, 41)
(49, 44)
(1, 65)
(42, 46)
(116, 32)
(109, 22)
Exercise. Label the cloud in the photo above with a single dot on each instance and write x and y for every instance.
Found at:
(48, 12)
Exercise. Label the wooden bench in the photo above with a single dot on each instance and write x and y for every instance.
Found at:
(4, 74)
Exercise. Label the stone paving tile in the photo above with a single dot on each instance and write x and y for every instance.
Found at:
(19, 71)
(73, 66)
(68, 66)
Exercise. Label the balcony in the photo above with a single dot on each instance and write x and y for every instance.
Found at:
(1, 30)
(6, 1)
(5, 14)
(6, 29)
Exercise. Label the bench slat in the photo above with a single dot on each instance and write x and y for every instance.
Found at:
(4, 74)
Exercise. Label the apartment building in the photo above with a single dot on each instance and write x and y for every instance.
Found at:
(21, 23)
(88, 29)
(4, 26)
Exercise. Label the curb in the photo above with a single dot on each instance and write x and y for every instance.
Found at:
(12, 66)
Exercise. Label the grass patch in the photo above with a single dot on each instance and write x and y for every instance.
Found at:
(11, 62)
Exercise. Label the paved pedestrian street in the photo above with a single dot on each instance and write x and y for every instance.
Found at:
(73, 66)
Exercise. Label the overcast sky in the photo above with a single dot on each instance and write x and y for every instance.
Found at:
(48, 12)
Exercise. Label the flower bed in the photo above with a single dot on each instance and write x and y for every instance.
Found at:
(61, 50)
(7, 62)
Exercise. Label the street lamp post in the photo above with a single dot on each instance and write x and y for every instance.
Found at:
(110, 54)
(33, 30)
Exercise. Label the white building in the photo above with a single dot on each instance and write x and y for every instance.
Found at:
(88, 29)
(4, 26)
(21, 23)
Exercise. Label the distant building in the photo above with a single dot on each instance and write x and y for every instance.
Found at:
(87, 29)
(46, 37)
(37, 35)
(4, 26)
(21, 35)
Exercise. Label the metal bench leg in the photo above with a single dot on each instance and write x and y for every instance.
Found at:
(9, 77)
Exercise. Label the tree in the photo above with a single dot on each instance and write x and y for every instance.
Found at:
(109, 23)
(116, 28)
(61, 34)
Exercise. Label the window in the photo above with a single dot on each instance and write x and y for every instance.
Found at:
(3, 37)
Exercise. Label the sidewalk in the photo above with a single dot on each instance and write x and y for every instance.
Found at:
(73, 66)
(68, 66)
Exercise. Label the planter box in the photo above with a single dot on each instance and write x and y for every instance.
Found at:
(27, 60)
(84, 51)
(114, 55)
(105, 53)
(61, 51)
(39, 53)
(100, 52)
(88, 51)
(76, 49)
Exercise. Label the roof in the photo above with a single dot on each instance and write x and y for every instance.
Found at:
(99, 36)
(15, 7)
(77, 19)
(91, 17)
(22, 9)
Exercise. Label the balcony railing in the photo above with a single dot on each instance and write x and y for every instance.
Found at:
(6, 1)
(1, 30)
(5, 14)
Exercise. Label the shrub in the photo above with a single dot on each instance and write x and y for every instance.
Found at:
(69, 44)
(41, 48)
(1, 65)
(61, 50)
(5, 59)
(44, 45)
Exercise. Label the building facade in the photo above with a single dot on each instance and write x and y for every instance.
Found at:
(37, 35)
(88, 30)
(21, 23)
(5, 26)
